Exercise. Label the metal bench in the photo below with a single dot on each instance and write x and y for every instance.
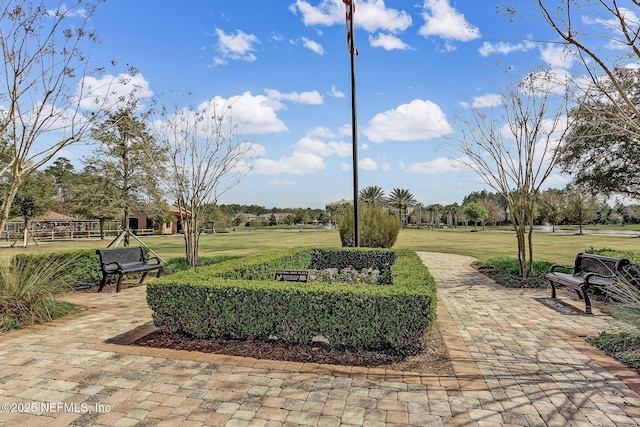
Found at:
(589, 272)
(126, 261)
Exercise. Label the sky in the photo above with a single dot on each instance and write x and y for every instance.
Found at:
(284, 66)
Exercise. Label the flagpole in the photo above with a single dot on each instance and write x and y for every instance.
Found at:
(354, 129)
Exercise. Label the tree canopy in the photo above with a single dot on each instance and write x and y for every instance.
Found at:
(601, 151)
(127, 161)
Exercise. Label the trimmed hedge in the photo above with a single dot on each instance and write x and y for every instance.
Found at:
(240, 299)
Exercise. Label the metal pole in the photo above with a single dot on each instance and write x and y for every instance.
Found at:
(354, 130)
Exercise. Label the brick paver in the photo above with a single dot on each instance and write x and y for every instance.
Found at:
(517, 362)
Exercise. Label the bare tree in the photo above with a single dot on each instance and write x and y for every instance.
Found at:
(605, 52)
(206, 155)
(45, 54)
(513, 149)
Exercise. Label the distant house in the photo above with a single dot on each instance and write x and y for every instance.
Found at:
(138, 219)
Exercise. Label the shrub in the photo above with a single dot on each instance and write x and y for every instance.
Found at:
(623, 346)
(634, 257)
(506, 272)
(180, 264)
(240, 299)
(29, 287)
(81, 268)
(378, 229)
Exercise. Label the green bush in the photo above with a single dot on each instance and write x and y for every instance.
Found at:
(505, 271)
(240, 299)
(623, 346)
(174, 265)
(82, 269)
(634, 257)
(378, 229)
(29, 287)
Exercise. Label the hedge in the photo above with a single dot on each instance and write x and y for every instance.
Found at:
(240, 299)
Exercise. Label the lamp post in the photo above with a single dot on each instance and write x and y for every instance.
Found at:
(354, 124)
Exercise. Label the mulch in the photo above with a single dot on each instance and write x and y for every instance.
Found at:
(434, 359)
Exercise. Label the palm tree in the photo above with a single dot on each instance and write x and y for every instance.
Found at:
(452, 211)
(435, 214)
(372, 194)
(401, 198)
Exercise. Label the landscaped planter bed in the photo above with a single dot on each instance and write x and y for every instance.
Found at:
(240, 299)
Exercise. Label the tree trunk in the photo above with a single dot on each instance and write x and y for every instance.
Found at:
(101, 221)
(5, 206)
(125, 226)
(191, 239)
(25, 233)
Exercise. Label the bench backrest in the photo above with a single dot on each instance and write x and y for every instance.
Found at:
(122, 256)
(600, 264)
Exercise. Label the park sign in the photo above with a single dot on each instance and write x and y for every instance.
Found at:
(292, 275)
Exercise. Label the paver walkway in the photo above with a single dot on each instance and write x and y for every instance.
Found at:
(517, 362)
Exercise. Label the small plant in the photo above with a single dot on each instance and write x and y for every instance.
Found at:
(506, 272)
(623, 346)
(349, 276)
(29, 287)
(10, 324)
(180, 264)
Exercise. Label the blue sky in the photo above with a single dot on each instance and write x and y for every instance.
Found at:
(285, 67)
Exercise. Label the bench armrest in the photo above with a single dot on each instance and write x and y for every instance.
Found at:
(116, 263)
(153, 258)
(588, 276)
(555, 266)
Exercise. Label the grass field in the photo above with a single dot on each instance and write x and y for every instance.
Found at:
(555, 247)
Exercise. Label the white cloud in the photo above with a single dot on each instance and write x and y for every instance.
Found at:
(308, 98)
(502, 48)
(253, 150)
(320, 132)
(546, 82)
(555, 181)
(313, 46)
(336, 93)
(436, 166)
(345, 130)
(372, 15)
(367, 164)
(616, 40)
(307, 158)
(558, 56)
(68, 13)
(238, 47)
(484, 101)
(297, 164)
(388, 42)
(418, 120)
(323, 149)
(345, 166)
(112, 92)
(441, 20)
(253, 114)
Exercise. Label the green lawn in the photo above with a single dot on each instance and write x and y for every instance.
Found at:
(553, 247)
